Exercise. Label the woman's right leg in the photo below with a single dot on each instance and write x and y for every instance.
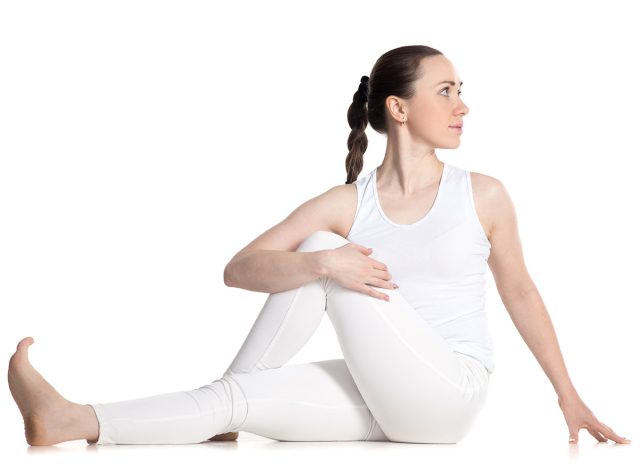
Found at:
(311, 401)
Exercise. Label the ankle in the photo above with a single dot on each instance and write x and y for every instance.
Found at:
(83, 422)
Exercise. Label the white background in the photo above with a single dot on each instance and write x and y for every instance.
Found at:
(143, 144)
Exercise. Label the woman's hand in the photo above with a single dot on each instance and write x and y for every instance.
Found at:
(578, 415)
(351, 267)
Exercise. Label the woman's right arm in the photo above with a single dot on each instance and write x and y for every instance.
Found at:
(273, 271)
(270, 262)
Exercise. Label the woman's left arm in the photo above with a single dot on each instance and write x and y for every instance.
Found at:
(528, 312)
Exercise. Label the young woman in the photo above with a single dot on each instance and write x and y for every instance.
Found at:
(397, 261)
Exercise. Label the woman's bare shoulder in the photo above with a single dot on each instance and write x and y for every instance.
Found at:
(343, 201)
(486, 190)
(328, 211)
(483, 182)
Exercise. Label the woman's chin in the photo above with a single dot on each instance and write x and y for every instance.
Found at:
(450, 145)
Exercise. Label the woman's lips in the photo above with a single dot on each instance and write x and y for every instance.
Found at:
(456, 129)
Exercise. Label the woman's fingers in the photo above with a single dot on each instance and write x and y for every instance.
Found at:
(382, 283)
(386, 276)
(374, 293)
(379, 265)
(600, 432)
(597, 435)
(382, 274)
(608, 432)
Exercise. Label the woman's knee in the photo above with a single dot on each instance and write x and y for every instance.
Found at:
(319, 240)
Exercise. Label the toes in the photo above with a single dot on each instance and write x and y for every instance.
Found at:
(22, 349)
(24, 344)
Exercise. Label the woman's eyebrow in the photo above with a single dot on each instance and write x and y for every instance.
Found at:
(453, 83)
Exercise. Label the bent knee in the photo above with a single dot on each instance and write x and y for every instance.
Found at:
(319, 240)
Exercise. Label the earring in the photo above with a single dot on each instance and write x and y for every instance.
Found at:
(403, 121)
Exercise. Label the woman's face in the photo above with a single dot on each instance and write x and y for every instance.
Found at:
(436, 105)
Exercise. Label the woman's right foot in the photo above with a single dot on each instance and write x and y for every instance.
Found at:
(47, 415)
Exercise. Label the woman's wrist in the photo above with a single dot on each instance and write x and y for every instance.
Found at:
(322, 262)
(569, 395)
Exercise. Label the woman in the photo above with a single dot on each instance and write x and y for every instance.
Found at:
(417, 360)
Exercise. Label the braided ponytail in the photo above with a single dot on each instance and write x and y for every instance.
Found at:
(393, 74)
(357, 142)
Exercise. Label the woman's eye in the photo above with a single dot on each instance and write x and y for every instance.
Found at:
(447, 89)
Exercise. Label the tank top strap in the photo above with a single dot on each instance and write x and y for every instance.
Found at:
(453, 198)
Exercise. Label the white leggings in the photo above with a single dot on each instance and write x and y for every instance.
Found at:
(399, 380)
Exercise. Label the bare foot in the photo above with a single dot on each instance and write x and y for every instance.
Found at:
(45, 412)
(225, 436)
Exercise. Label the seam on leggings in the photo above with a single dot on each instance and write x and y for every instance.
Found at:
(229, 391)
(399, 336)
(306, 403)
(226, 386)
(200, 407)
(371, 424)
(194, 399)
(280, 328)
(246, 414)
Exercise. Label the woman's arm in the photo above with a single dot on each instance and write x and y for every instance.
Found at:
(518, 291)
(529, 314)
(533, 322)
(273, 271)
(271, 263)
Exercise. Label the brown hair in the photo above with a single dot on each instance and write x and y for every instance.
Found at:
(394, 73)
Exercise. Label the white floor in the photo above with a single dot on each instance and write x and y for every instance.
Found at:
(521, 447)
(520, 425)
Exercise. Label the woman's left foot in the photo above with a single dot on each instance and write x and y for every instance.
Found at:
(225, 436)
(45, 412)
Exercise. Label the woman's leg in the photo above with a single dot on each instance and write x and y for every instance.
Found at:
(417, 388)
(421, 390)
(315, 401)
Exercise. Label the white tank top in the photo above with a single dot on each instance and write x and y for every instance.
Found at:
(439, 261)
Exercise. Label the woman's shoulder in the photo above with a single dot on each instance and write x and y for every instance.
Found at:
(484, 182)
(491, 198)
(343, 201)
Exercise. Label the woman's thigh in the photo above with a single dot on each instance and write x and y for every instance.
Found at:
(415, 385)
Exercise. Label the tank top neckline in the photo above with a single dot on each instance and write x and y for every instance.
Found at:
(435, 204)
